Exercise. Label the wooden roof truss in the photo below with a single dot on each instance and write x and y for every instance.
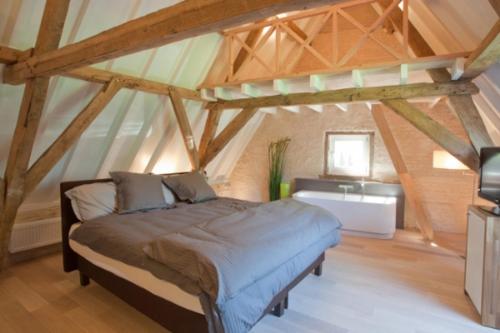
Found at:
(35, 66)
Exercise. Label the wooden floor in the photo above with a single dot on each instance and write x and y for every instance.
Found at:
(367, 286)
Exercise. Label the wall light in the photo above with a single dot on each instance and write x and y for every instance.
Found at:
(443, 160)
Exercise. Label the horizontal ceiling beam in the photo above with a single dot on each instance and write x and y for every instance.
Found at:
(184, 20)
(353, 95)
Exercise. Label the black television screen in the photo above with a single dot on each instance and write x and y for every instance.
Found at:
(489, 184)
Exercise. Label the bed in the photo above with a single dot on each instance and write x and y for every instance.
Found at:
(152, 289)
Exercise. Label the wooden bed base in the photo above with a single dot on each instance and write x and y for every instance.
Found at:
(169, 315)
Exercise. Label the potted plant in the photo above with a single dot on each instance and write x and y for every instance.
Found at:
(276, 156)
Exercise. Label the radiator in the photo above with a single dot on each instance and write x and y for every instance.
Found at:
(26, 236)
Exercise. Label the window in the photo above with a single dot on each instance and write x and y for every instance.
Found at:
(348, 154)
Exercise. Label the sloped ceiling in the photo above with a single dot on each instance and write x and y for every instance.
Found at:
(138, 131)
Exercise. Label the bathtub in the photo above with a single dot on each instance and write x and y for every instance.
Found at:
(363, 215)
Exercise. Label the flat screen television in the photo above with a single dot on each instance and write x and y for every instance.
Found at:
(489, 183)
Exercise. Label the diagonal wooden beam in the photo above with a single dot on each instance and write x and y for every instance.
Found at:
(352, 95)
(185, 127)
(407, 183)
(485, 55)
(183, 20)
(70, 135)
(35, 93)
(228, 133)
(251, 41)
(471, 121)
(435, 131)
(210, 130)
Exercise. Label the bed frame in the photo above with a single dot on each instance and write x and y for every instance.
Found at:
(169, 315)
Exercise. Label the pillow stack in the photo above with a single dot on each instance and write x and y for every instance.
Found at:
(131, 192)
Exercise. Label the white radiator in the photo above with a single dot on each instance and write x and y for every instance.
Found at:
(26, 236)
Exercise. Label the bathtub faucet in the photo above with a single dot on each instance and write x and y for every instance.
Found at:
(362, 187)
(346, 187)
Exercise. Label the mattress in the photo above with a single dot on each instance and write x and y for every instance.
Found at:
(137, 276)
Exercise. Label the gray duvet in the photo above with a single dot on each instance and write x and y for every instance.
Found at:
(235, 254)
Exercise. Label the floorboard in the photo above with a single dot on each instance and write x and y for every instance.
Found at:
(368, 285)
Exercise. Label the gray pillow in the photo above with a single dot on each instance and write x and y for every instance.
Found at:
(137, 191)
(190, 186)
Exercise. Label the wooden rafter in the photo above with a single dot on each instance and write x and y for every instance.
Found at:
(185, 128)
(225, 136)
(183, 20)
(353, 95)
(70, 135)
(32, 104)
(405, 178)
(435, 131)
(210, 130)
(486, 54)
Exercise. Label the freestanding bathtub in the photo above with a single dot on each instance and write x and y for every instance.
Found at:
(363, 215)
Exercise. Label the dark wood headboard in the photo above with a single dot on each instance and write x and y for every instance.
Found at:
(68, 218)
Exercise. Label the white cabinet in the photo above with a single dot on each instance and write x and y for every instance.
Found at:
(482, 268)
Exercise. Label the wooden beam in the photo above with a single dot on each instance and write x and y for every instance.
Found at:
(353, 95)
(185, 128)
(435, 131)
(9, 55)
(227, 134)
(210, 130)
(35, 93)
(296, 29)
(70, 135)
(471, 120)
(131, 82)
(183, 20)
(251, 41)
(412, 196)
(485, 55)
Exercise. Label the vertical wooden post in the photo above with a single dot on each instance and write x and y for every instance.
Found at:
(411, 194)
(35, 93)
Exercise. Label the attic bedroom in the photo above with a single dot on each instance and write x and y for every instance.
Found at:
(259, 166)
